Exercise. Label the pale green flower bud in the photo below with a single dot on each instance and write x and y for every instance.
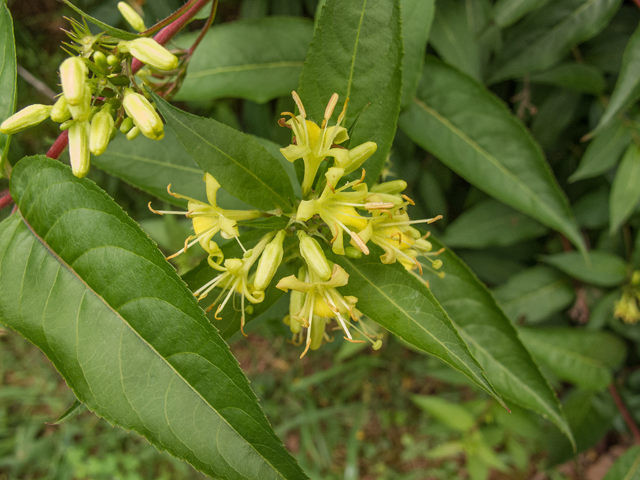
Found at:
(352, 252)
(314, 256)
(127, 125)
(100, 60)
(26, 118)
(73, 75)
(150, 52)
(60, 112)
(82, 111)
(296, 302)
(144, 115)
(358, 155)
(113, 60)
(79, 152)
(132, 17)
(101, 128)
(133, 133)
(269, 262)
(318, 325)
(394, 187)
(66, 125)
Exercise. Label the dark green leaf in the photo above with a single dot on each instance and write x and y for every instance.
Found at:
(417, 16)
(114, 32)
(592, 210)
(473, 132)
(602, 312)
(392, 297)
(627, 87)
(236, 160)
(124, 331)
(8, 70)
(627, 467)
(491, 223)
(76, 409)
(508, 12)
(583, 357)
(603, 269)
(573, 76)
(490, 266)
(451, 414)
(554, 115)
(492, 339)
(534, 294)
(453, 37)
(625, 191)
(603, 151)
(357, 53)
(548, 34)
(257, 59)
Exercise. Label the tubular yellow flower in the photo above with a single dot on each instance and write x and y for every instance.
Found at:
(73, 75)
(131, 16)
(79, 153)
(143, 114)
(26, 118)
(101, 127)
(60, 111)
(150, 52)
(314, 256)
(269, 262)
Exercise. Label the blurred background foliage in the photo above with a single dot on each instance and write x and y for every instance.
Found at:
(395, 413)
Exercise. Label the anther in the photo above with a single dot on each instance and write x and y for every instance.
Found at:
(333, 101)
(296, 98)
(411, 202)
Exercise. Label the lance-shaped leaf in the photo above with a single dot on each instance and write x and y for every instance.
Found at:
(548, 34)
(395, 299)
(627, 466)
(583, 357)
(239, 163)
(627, 89)
(508, 12)
(601, 268)
(83, 282)
(257, 59)
(357, 53)
(493, 339)
(474, 133)
(113, 31)
(625, 193)
(7, 72)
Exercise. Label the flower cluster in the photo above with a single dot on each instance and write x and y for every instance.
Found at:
(99, 92)
(337, 206)
(626, 308)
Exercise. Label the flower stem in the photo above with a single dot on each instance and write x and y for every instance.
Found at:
(628, 419)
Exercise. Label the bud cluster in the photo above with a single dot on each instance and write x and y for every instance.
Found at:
(626, 308)
(99, 92)
(369, 216)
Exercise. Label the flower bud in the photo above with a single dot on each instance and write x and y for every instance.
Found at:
(144, 115)
(358, 155)
(82, 111)
(352, 252)
(314, 256)
(635, 277)
(318, 325)
(132, 17)
(25, 118)
(127, 125)
(73, 75)
(133, 133)
(60, 112)
(296, 302)
(100, 59)
(101, 128)
(79, 148)
(394, 187)
(150, 52)
(113, 60)
(269, 262)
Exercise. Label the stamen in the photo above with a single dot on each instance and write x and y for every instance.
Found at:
(343, 113)
(168, 212)
(333, 101)
(214, 282)
(353, 341)
(240, 243)
(231, 292)
(296, 98)
(358, 182)
(378, 205)
(354, 236)
(242, 317)
(283, 123)
(408, 199)
(412, 222)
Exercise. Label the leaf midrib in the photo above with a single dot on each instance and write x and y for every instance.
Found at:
(273, 192)
(138, 158)
(151, 347)
(355, 52)
(245, 67)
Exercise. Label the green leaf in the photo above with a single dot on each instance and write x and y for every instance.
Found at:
(7, 78)
(627, 89)
(257, 59)
(392, 297)
(603, 151)
(357, 53)
(237, 161)
(554, 115)
(124, 331)
(592, 210)
(474, 133)
(76, 409)
(627, 467)
(603, 269)
(508, 12)
(491, 223)
(548, 34)
(452, 36)
(451, 414)
(417, 16)
(113, 31)
(583, 357)
(625, 193)
(534, 294)
(573, 76)
(492, 338)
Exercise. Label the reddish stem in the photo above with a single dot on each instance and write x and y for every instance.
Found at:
(5, 199)
(628, 419)
(162, 37)
(637, 2)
